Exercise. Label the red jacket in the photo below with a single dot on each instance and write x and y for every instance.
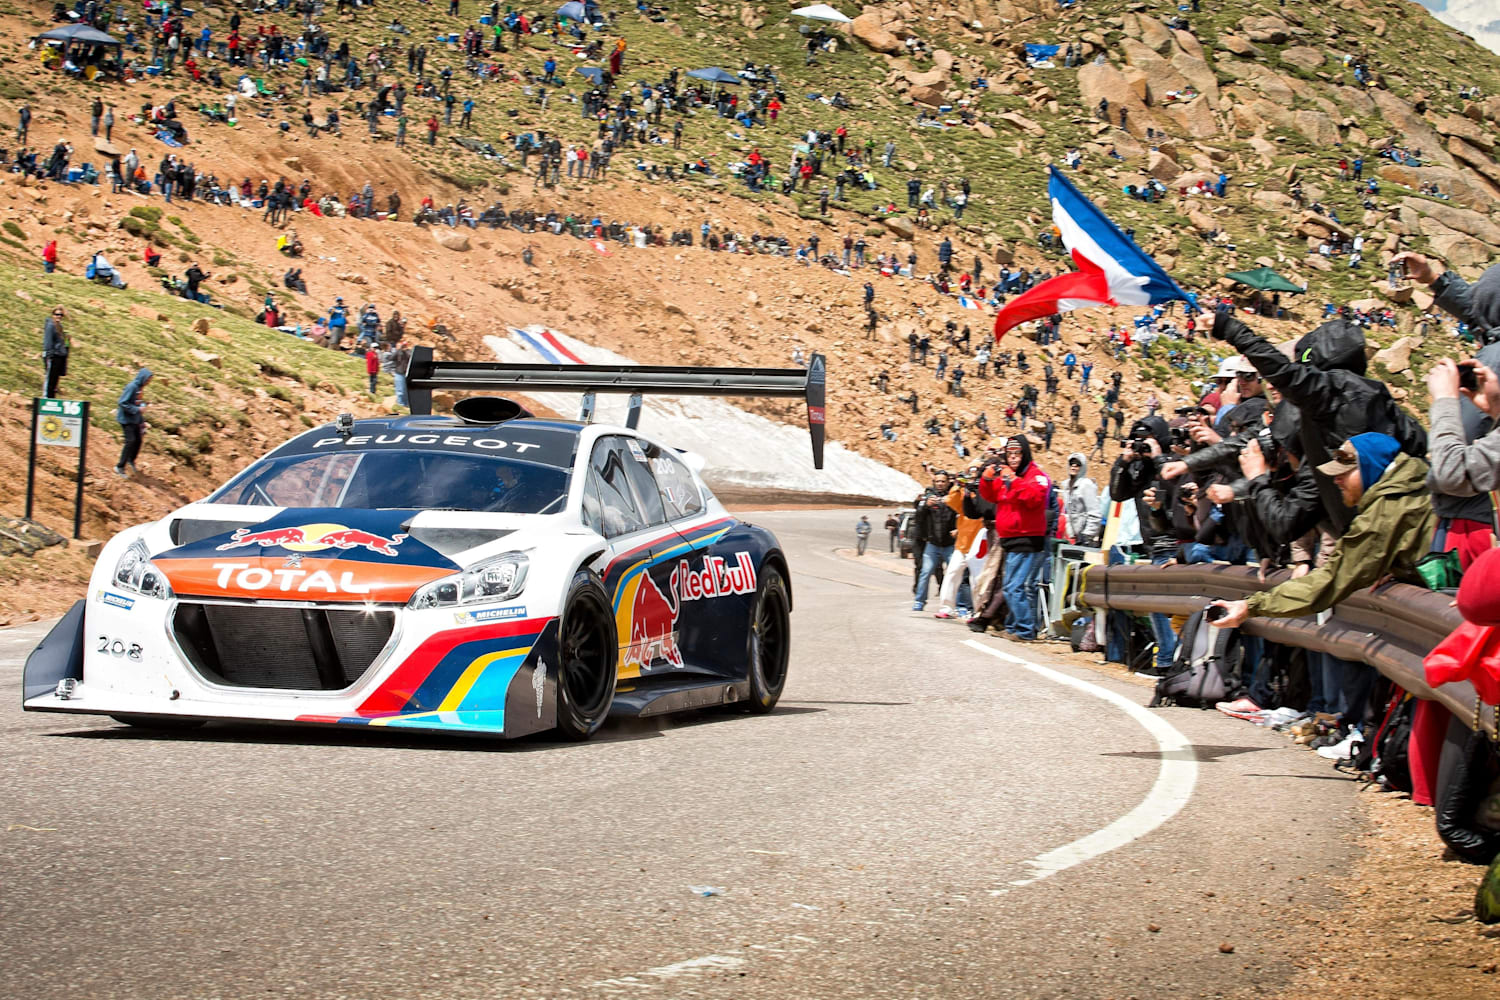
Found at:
(372, 362)
(1021, 507)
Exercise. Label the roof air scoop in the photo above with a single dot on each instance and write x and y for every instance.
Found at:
(488, 410)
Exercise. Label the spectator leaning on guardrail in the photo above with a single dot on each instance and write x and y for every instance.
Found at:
(1391, 532)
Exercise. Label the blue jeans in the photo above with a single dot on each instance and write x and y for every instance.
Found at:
(932, 557)
(1161, 626)
(1019, 587)
(400, 381)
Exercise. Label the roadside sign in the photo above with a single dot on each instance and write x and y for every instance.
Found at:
(60, 422)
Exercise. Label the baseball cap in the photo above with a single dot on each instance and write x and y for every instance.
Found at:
(1229, 367)
(1344, 460)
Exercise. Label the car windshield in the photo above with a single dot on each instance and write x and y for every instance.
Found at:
(400, 479)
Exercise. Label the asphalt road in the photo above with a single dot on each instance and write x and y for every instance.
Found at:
(865, 839)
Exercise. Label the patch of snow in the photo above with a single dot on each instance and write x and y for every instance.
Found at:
(739, 448)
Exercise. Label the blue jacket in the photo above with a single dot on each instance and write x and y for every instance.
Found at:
(129, 411)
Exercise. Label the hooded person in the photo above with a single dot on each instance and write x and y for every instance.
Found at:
(1080, 500)
(1391, 532)
(1325, 380)
(1019, 490)
(130, 415)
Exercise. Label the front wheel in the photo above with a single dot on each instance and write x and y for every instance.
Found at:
(770, 641)
(587, 651)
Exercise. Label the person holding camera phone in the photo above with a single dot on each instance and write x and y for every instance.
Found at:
(935, 524)
(1461, 468)
(1137, 477)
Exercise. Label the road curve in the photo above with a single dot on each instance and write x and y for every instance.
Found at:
(881, 834)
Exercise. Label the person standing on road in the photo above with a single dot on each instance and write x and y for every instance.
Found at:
(131, 416)
(936, 525)
(54, 352)
(862, 531)
(1019, 491)
(892, 528)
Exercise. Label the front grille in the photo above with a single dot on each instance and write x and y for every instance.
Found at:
(296, 649)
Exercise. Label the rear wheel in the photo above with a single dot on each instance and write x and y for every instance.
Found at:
(587, 653)
(163, 722)
(770, 641)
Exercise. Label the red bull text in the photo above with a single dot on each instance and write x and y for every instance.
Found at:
(653, 615)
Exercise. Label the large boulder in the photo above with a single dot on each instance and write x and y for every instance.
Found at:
(1156, 35)
(1318, 127)
(1275, 201)
(1476, 159)
(901, 226)
(1302, 56)
(1265, 28)
(930, 96)
(1161, 75)
(1462, 186)
(1460, 250)
(1238, 45)
(1199, 74)
(1462, 220)
(1415, 132)
(1397, 357)
(869, 28)
(1196, 118)
(1189, 44)
(1161, 166)
(450, 239)
(1468, 131)
(931, 78)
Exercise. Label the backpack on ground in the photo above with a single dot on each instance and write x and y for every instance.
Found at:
(1202, 666)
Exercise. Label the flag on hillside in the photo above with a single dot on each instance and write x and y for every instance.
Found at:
(1112, 270)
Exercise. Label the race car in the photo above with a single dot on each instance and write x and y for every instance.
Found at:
(484, 573)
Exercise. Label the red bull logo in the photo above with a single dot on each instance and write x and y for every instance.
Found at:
(653, 615)
(314, 538)
(653, 626)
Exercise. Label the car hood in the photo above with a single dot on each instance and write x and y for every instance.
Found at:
(313, 554)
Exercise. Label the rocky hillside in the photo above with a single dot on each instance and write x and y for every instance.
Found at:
(1272, 96)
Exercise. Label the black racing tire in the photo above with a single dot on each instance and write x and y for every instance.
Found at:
(588, 651)
(769, 642)
(159, 722)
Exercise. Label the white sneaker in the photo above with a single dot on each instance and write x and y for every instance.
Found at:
(1282, 716)
(1345, 749)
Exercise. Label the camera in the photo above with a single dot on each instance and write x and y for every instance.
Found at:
(1180, 438)
(1186, 411)
(1468, 378)
(1216, 612)
(1268, 445)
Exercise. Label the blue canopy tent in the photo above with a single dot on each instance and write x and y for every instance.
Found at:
(586, 12)
(574, 10)
(1040, 53)
(714, 74)
(85, 44)
(594, 73)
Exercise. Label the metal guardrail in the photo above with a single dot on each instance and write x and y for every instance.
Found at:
(1391, 628)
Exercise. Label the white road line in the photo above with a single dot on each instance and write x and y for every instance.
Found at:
(1173, 787)
(691, 966)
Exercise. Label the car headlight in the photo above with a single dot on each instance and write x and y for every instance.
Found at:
(497, 579)
(137, 573)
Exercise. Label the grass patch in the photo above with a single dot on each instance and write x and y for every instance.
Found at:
(110, 344)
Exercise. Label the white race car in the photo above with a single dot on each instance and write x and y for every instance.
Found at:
(486, 573)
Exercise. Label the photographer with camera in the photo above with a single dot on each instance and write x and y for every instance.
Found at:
(935, 523)
(1461, 469)
(1136, 480)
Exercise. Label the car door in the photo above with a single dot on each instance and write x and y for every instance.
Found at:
(621, 502)
(712, 572)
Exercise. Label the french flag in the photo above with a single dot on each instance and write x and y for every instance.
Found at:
(1112, 270)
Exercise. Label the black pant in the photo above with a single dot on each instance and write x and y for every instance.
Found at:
(57, 367)
(132, 445)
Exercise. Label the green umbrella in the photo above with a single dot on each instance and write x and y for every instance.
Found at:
(1264, 279)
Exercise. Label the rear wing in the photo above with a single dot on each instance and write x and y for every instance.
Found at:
(426, 374)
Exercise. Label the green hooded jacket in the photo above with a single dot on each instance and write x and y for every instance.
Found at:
(1390, 534)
